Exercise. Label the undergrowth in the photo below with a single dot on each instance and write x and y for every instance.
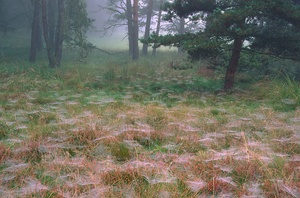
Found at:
(111, 127)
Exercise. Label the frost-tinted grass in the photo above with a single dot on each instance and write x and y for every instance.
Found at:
(111, 127)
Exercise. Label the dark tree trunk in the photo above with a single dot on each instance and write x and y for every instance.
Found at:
(39, 41)
(59, 32)
(181, 31)
(52, 16)
(53, 44)
(50, 54)
(135, 41)
(233, 65)
(129, 25)
(158, 26)
(35, 31)
(147, 28)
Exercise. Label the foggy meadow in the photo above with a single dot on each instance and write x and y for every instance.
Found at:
(149, 98)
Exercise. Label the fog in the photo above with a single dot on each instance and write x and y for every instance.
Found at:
(19, 13)
(114, 40)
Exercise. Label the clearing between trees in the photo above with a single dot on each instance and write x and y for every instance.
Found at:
(111, 127)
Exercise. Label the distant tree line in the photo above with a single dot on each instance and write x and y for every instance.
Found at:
(270, 27)
(139, 16)
(52, 23)
(212, 28)
(13, 15)
(59, 21)
(205, 29)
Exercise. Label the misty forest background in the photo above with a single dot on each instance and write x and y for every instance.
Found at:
(234, 35)
(149, 98)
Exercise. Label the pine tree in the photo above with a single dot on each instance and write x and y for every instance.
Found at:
(268, 24)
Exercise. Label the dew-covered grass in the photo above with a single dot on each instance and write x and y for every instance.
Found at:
(110, 127)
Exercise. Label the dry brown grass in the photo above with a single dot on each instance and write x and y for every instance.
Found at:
(4, 152)
(126, 140)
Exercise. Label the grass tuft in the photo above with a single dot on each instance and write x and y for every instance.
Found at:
(120, 151)
(156, 117)
(122, 177)
(4, 153)
(5, 130)
(83, 137)
(31, 153)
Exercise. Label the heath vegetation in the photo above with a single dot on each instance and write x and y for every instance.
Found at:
(110, 127)
(215, 113)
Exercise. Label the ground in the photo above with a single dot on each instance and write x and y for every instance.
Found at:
(116, 128)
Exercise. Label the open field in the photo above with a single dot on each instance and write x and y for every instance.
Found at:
(110, 127)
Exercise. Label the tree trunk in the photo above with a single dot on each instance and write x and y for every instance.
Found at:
(181, 31)
(129, 25)
(147, 28)
(233, 65)
(52, 15)
(158, 26)
(39, 30)
(208, 20)
(135, 41)
(35, 31)
(59, 32)
(50, 54)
